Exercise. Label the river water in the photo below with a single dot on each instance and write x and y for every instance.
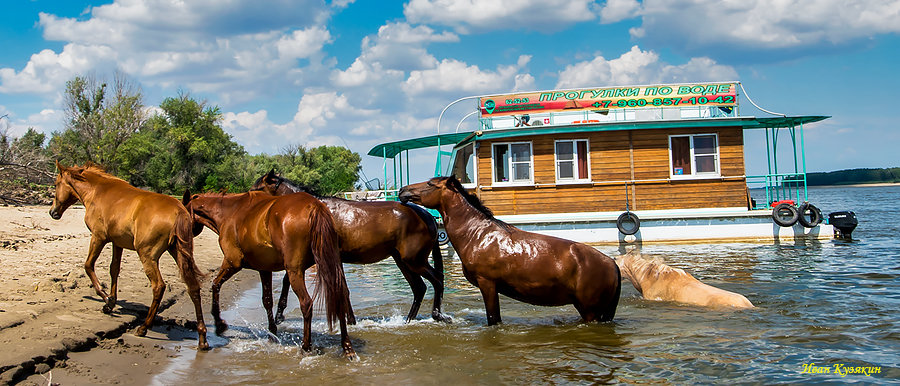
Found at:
(818, 303)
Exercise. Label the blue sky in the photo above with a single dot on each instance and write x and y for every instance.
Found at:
(358, 73)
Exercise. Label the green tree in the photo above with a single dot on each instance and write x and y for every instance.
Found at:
(184, 147)
(98, 120)
(327, 170)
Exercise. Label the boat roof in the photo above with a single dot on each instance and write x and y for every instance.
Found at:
(391, 149)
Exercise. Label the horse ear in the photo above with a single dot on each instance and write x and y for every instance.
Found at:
(186, 197)
(270, 176)
(59, 166)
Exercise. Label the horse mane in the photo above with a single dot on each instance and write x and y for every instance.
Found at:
(296, 187)
(653, 266)
(473, 200)
(96, 169)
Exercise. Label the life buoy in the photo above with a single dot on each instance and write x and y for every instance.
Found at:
(442, 238)
(815, 215)
(624, 219)
(785, 214)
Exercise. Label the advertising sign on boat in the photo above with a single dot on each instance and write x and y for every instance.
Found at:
(608, 98)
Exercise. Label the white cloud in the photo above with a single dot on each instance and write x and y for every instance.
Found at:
(455, 76)
(48, 71)
(640, 67)
(203, 45)
(468, 16)
(617, 10)
(750, 28)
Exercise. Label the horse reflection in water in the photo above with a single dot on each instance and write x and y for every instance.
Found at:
(369, 232)
(268, 233)
(533, 268)
(130, 218)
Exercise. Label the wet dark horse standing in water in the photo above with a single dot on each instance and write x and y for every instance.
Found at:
(533, 268)
(131, 218)
(267, 233)
(369, 232)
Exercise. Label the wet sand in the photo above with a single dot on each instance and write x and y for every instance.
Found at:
(51, 326)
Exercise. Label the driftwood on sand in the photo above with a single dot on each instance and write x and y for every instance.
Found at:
(658, 281)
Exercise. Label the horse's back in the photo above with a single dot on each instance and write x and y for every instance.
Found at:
(131, 217)
(371, 230)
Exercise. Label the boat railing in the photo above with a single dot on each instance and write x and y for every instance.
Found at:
(606, 116)
(778, 187)
(373, 195)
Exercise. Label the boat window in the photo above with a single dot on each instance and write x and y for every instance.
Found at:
(572, 161)
(464, 164)
(512, 163)
(694, 155)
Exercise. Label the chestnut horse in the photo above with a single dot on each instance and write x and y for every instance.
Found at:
(529, 267)
(267, 233)
(369, 232)
(128, 217)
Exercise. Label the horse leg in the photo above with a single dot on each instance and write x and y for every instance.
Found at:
(283, 299)
(225, 273)
(193, 286)
(416, 284)
(298, 283)
(94, 250)
(150, 261)
(423, 269)
(491, 300)
(114, 266)
(265, 277)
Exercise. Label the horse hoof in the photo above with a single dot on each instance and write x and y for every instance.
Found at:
(279, 319)
(440, 317)
(203, 346)
(351, 356)
(106, 309)
(141, 331)
(221, 328)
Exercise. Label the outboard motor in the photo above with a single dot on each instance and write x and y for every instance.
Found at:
(844, 223)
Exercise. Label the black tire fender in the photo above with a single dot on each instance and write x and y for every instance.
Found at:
(628, 217)
(815, 215)
(442, 237)
(785, 215)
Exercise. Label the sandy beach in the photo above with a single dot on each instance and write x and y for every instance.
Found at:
(50, 319)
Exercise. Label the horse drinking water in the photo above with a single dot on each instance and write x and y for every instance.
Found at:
(267, 233)
(529, 267)
(369, 232)
(128, 217)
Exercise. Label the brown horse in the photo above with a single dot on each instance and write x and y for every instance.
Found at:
(529, 267)
(128, 217)
(267, 233)
(369, 232)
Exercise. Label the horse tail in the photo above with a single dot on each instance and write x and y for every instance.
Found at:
(184, 249)
(329, 270)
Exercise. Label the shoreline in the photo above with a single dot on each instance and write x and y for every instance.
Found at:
(50, 316)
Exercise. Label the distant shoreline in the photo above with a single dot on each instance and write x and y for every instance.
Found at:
(874, 184)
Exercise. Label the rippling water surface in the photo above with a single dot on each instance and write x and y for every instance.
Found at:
(827, 303)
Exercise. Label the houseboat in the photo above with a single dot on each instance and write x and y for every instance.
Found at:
(652, 163)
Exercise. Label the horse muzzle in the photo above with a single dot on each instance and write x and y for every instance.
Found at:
(54, 214)
(407, 196)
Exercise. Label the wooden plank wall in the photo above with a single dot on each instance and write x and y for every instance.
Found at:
(610, 164)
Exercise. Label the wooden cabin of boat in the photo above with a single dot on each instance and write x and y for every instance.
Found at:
(661, 151)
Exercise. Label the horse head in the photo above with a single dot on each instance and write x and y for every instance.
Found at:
(269, 183)
(203, 209)
(64, 194)
(427, 194)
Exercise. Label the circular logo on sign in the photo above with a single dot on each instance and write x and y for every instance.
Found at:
(489, 106)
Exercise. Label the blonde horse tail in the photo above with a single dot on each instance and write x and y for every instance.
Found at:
(184, 249)
(329, 270)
